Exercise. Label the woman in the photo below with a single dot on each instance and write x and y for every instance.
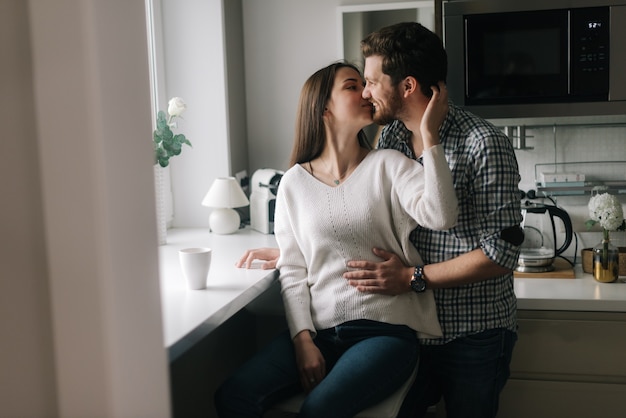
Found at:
(347, 349)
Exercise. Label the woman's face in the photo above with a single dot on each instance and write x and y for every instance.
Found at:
(346, 106)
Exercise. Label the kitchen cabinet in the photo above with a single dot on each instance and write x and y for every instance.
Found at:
(567, 364)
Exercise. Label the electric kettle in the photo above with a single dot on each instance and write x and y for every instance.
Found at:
(539, 248)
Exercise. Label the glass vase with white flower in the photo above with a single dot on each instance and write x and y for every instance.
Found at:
(606, 210)
(166, 145)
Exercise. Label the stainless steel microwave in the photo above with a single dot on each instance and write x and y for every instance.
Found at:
(536, 58)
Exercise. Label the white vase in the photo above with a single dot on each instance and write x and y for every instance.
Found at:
(161, 215)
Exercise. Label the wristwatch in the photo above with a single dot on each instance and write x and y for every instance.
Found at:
(418, 284)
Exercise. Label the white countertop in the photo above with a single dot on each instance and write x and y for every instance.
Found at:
(189, 315)
(582, 293)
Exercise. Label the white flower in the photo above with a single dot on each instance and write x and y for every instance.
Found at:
(606, 210)
(176, 106)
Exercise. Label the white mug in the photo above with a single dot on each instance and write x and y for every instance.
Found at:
(195, 263)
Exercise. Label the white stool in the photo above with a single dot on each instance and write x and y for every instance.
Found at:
(388, 408)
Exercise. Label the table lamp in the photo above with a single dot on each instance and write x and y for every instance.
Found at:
(224, 195)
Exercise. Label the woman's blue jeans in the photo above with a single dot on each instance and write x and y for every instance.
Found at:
(366, 361)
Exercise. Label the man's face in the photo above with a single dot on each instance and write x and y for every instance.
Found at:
(385, 98)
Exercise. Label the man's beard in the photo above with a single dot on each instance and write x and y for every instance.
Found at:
(390, 112)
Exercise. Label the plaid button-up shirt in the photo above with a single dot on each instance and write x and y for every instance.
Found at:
(486, 177)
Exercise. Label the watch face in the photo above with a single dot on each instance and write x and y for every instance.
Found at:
(418, 285)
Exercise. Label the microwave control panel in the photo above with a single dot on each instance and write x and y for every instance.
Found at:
(590, 37)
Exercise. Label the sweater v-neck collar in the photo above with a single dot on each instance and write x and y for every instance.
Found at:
(344, 181)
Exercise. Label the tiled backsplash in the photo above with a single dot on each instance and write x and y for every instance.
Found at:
(569, 144)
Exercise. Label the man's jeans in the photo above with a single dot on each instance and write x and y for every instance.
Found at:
(366, 361)
(468, 372)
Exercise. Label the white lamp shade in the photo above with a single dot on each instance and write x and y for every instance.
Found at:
(225, 194)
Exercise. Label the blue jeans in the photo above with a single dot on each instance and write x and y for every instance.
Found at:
(468, 372)
(366, 361)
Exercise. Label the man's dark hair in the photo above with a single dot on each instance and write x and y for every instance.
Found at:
(409, 49)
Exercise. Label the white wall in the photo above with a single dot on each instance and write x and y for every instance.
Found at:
(81, 329)
(285, 42)
(194, 59)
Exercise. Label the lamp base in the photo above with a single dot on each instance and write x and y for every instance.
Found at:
(224, 221)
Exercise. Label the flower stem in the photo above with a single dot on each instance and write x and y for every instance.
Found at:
(605, 249)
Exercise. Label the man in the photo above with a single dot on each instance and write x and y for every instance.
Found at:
(469, 267)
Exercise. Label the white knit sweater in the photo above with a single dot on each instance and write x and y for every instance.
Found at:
(320, 228)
